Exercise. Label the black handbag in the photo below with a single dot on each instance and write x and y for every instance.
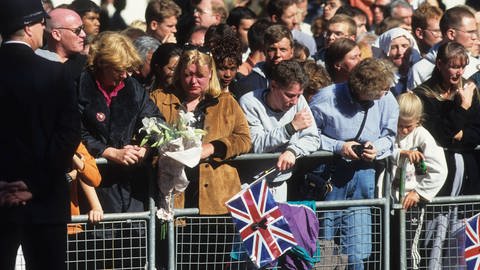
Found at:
(318, 183)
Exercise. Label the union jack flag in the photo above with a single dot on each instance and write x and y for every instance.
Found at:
(261, 225)
(472, 243)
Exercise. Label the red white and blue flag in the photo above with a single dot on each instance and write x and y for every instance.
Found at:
(262, 227)
(472, 243)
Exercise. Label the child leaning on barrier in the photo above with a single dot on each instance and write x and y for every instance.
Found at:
(417, 159)
(84, 176)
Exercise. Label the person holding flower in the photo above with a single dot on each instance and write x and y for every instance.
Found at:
(112, 105)
(197, 89)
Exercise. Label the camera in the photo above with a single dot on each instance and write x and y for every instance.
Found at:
(359, 148)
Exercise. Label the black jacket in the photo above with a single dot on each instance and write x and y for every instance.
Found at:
(253, 81)
(123, 188)
(444, 119)
(41, 130)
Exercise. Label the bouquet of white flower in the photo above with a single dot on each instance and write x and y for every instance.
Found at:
(178, 146)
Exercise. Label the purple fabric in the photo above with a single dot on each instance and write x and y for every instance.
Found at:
(304, 225)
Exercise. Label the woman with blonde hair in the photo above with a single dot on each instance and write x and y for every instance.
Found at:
(112, 106)
(197, 89)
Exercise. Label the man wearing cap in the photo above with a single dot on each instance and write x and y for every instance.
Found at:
(38, 108)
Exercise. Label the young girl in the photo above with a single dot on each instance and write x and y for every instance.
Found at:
(84, 176)
(415, 147)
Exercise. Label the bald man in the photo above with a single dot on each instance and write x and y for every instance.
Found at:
(65, 39)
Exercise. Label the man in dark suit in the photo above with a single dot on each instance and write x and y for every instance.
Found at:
(41, 129)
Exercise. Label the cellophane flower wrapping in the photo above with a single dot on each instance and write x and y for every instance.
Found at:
(179, 145)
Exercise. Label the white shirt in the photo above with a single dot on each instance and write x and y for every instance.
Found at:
(428, 185)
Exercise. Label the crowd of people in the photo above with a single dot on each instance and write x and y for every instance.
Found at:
(369, 80)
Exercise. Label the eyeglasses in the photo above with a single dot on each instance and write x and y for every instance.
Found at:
(434, 32)
(471, 32)
(191, 47)
(201, 11)
(77, 31)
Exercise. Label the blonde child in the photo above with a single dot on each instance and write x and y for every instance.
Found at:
(414, 145)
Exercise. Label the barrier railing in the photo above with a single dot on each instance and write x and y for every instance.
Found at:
(211, 241)
(434, 234)
(120, 241)
(196, 240)
(127, 241)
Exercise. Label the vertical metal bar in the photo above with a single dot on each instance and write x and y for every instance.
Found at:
(171, 238)
(171, 245)
(386, 215)
(403, 239)
(151, 223)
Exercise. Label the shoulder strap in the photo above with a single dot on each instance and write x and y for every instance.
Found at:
(362, 125)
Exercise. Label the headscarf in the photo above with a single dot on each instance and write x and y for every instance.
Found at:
(381, 47)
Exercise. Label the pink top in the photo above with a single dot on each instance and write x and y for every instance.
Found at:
(109, 96)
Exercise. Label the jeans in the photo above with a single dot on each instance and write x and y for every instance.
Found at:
(351, 181)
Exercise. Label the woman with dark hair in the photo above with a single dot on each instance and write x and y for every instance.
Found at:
(340, 59)
(162, 65)
(451, 106)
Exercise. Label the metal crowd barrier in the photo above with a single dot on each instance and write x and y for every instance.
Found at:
(210, 242)
(196, 242)
(434, 234)
(120, 241)
(430, 236)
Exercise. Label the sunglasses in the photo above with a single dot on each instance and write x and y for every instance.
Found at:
(190, 47)
(76, 31)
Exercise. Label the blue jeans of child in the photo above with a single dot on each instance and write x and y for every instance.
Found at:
(351, 181)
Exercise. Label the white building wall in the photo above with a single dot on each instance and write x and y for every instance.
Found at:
(135, 9)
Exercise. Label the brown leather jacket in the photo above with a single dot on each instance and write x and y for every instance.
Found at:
(224, 122)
